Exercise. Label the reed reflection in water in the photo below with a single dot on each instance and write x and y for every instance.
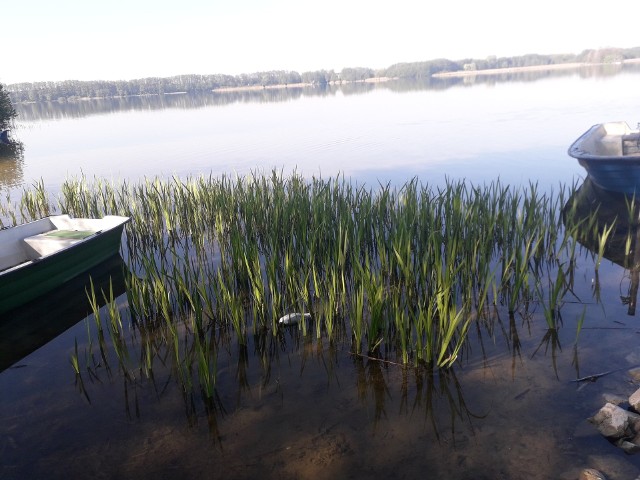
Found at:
(292, 403)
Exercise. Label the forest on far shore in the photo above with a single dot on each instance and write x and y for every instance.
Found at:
(70, 90)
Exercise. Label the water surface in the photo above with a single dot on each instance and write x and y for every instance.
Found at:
(518, 131)
(297, 407)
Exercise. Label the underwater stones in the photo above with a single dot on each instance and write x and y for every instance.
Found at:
(613, 398)
(619, 419)
(635, 373)
(633, 357)
(628, 447)
(614, 466)
(591, 474)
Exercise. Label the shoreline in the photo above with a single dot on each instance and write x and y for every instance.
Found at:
(531, 68)
(298, 85)
(458, 73)
(455, 74)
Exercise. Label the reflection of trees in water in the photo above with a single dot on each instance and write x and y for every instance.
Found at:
(99, 106)
(443, 83)
(11, 164)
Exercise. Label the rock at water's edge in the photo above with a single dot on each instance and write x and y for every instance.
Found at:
(612, 421)
(634, 400)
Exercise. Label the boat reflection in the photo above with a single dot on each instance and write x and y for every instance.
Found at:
(11, 164)
(25, 329)
(606, 223)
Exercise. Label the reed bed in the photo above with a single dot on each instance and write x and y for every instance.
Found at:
(403, 273)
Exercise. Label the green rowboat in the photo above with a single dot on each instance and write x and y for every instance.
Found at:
(39, 256)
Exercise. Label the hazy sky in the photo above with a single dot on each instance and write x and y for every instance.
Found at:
(91, 40)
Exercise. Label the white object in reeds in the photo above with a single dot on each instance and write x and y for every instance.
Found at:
(293, 318)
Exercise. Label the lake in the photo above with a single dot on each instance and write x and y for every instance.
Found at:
(517, 130)
(296, 406)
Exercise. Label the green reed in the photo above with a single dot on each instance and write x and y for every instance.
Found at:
(404, 271)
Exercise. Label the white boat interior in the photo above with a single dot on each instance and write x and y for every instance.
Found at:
(30, 242)
(613, 139)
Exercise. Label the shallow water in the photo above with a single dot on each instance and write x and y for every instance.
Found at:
(322, 412)
(295, 407)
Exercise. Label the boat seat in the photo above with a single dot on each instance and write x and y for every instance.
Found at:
(635, 136)
(631, 144)
(609, 145)
(48, 243)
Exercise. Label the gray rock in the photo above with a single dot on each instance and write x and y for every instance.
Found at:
(628, 447)
(615, 466)
(634, 421)
(634, 400)
(612, 421)
(591, 474)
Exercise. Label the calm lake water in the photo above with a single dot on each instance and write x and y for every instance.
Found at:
(305, 408)
(517, 130)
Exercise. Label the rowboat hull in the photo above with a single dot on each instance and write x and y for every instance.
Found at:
(610, 153)
(29, 280)
(614, 175)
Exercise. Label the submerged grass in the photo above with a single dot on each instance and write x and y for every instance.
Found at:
(404, 272)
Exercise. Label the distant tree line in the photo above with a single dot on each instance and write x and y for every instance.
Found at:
(33, 111)
(74, 89)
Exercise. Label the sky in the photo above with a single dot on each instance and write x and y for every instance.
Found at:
(46, 40)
